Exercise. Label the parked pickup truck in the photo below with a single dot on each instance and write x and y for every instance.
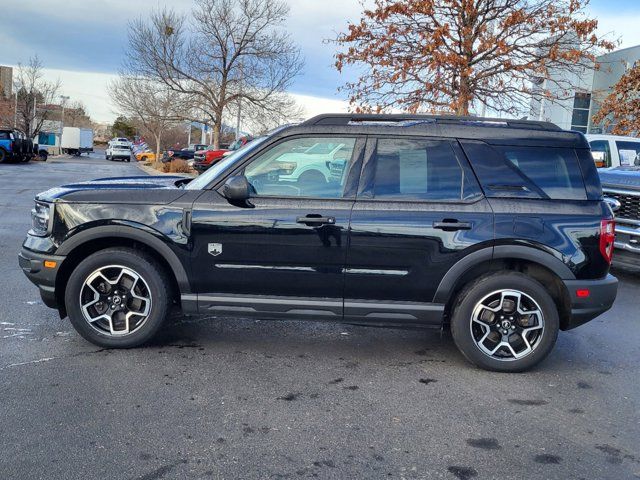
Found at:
(15, 146)
(203, 159)
(614, 151)
(623, 185)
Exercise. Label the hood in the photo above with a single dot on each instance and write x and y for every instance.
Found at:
(622, 177)
(118, 189)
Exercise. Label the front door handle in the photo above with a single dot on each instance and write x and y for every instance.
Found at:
(451, 225)
(313, 220)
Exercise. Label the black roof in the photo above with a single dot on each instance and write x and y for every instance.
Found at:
(497, 131)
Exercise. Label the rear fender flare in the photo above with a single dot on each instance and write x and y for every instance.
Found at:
(516, 252)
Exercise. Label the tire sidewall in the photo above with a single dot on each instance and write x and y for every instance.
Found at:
(463, 310)
(141, 265)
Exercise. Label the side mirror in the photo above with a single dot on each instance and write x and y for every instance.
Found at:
(237, 189)
(613, 203)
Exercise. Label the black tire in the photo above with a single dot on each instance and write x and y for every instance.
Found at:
(159, 286)
(3, 155)
(475, 292)
(43, 156)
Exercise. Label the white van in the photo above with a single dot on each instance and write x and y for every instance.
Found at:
(614, 151)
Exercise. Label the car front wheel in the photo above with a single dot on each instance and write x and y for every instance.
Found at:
(505, 322)
(118, 298)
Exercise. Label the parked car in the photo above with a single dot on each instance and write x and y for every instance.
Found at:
(146, 155)
(623, 185)
(204, 159)
(15, 146)
(496, 229)
(76, 141)
(614, 151)
(118, 149)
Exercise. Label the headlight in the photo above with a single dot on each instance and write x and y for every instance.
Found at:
(41, 219)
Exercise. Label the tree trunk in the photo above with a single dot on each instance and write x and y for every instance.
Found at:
(158, 137)
(217, 128)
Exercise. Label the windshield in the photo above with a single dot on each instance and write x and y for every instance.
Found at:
(222, 166)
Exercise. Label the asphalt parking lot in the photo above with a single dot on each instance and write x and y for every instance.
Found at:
(221, 398)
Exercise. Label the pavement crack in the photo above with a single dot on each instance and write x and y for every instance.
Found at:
(48, 359)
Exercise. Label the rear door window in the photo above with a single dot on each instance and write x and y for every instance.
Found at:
(418, 169)
(527, 172)
(629, 152)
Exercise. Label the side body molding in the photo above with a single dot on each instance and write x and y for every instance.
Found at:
(145, 236)
(531, 254)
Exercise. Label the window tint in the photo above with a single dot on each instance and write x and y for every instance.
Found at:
(526, 172)
(554, 171)
(628, 152)
(302, 167)
(409, 168)
(601, 153)
(4, 135)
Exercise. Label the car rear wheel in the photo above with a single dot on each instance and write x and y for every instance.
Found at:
(505, 322)
(3, 155)
(118, 298)
(43, 156)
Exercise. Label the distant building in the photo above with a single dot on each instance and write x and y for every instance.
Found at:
(6, 82)
(574, 110)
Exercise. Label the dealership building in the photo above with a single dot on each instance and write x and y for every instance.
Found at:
(574, 108)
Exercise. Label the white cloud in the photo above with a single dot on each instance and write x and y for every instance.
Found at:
(91, 89)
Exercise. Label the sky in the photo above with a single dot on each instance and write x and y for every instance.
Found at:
(82, 42)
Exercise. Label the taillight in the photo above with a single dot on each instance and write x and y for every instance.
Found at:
(607, 238)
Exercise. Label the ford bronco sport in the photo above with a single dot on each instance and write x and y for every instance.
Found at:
(496, 229)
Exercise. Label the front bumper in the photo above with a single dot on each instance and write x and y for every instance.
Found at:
(602, 294)
(201, 167)
(32, 264)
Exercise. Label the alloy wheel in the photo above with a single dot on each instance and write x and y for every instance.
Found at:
(507, 325)
(115, 300)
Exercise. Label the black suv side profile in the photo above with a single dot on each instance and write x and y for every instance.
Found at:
(495, 228)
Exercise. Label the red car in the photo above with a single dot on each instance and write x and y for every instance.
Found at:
(203, 159)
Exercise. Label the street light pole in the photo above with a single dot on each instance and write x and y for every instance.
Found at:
(64, 99)
(15, 113)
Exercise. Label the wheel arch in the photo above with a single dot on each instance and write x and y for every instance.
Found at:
(540, 265)
(83, 244)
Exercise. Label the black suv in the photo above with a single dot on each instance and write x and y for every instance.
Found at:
(496, 228)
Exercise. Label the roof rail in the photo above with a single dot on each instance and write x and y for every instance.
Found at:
(373, 118)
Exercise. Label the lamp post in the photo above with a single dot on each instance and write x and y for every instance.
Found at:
(64, 99)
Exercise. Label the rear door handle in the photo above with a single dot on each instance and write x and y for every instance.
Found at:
(314, 220)
(451, 225)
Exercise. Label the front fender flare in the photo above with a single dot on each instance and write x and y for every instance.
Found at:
(145, 237)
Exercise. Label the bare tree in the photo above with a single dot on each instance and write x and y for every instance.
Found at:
(33, 90)
(224, 52)
(76, 115)
(447, 55)
(152, 105)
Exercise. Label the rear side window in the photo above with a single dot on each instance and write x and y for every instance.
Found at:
(417, 169)
(4, 135)
(527, 172)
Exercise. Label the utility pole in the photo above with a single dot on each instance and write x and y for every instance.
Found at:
(15, 112)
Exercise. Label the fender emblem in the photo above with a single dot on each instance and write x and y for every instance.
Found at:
(215, 249)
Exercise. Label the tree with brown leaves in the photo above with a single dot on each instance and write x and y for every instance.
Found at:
(455, 55)
(620, 110)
